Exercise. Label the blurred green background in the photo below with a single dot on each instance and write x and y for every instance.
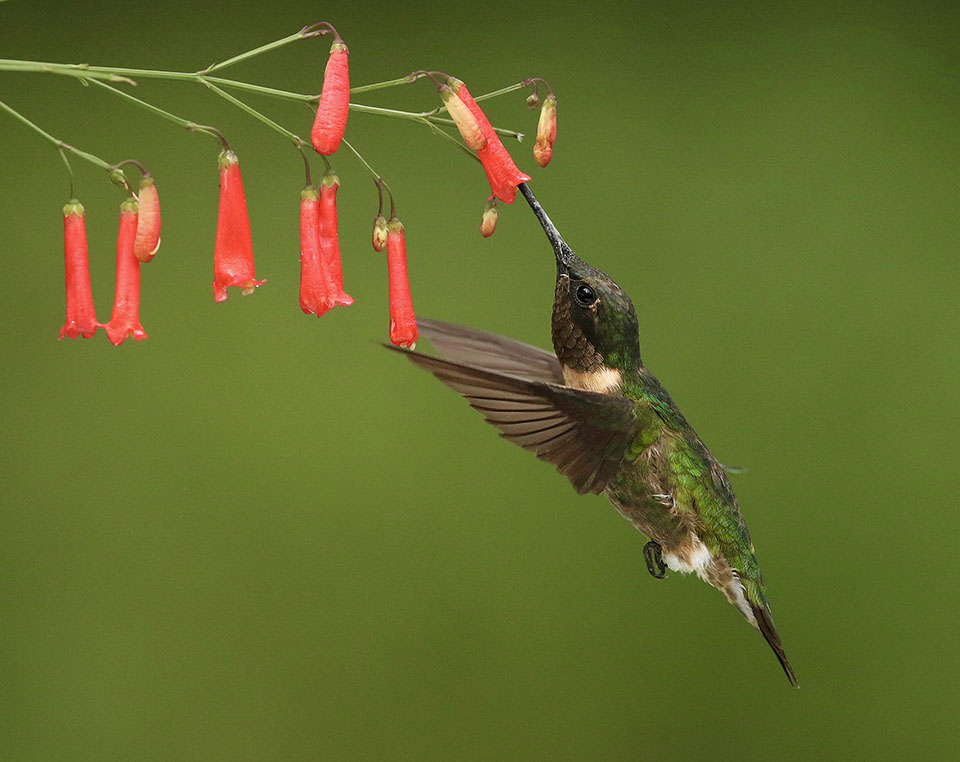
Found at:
(258, 535)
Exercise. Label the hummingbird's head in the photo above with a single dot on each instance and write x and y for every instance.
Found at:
(595, 330)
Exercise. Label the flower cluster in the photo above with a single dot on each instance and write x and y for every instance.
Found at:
(137, 241)
(321, 267)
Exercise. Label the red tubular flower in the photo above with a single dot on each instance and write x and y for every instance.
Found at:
(81, 317)
(233, 255)
(331, 119)
(403, 323)
(488, 223)
(125, 320)
(329, 239)
(313, 291)
(317, 289)
(546, 131)
(501, 171)
(379, 233)
(148, 222)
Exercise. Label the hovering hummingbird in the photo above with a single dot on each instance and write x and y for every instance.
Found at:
(596, 413)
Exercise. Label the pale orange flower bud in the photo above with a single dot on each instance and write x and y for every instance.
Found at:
(491, 214)
(546, 131)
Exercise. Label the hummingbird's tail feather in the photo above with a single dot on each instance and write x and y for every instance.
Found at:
(769, 632)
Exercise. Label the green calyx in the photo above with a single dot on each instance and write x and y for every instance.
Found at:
(330, 178)
(73, 206)
(227, 159)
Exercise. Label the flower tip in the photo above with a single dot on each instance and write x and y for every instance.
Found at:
(542, 153)
(118, 333)
(250, 286)
(404, 337)
(73, 330)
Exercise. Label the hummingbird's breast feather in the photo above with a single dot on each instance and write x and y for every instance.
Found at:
(605, 380)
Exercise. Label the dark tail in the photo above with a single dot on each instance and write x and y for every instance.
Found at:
(765, 625)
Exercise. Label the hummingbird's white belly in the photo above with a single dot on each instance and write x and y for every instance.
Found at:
(696, 558)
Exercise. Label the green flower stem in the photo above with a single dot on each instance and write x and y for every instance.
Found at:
(501, 91)
(185, 123)
(425, 117)
(95, 160)
(305, 33)
(376, 175)
(499, 130)
(297, 141)
(409, 79)
(127, 75)
(260, 89)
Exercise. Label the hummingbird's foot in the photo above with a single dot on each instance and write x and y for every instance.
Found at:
(655, 565)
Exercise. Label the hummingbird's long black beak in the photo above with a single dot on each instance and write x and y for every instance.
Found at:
(564, 254)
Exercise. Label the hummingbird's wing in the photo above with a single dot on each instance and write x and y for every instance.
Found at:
(584, 434)
(492, 351)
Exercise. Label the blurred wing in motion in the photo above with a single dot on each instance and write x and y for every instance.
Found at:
(584, 434)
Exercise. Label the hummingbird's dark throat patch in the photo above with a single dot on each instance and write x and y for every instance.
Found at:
(573, 348)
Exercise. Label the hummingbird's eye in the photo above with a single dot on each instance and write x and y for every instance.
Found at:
(586, 296)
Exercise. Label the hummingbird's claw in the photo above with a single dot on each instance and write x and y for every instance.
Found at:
(655, 565)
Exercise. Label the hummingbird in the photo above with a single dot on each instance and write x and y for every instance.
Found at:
(605, 422)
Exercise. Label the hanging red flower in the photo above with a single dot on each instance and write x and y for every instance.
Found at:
(233, 254)
(329, 237)
(331, 120)
(125, 320)
(403, 323)
(81, 317)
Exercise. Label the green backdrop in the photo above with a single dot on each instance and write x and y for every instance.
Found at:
(258, 535)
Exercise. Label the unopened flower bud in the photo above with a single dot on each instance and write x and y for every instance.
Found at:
(380, 233)
(533, 101)
(334, 105)
(546, 131)
(148, 221)
(488, 223)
